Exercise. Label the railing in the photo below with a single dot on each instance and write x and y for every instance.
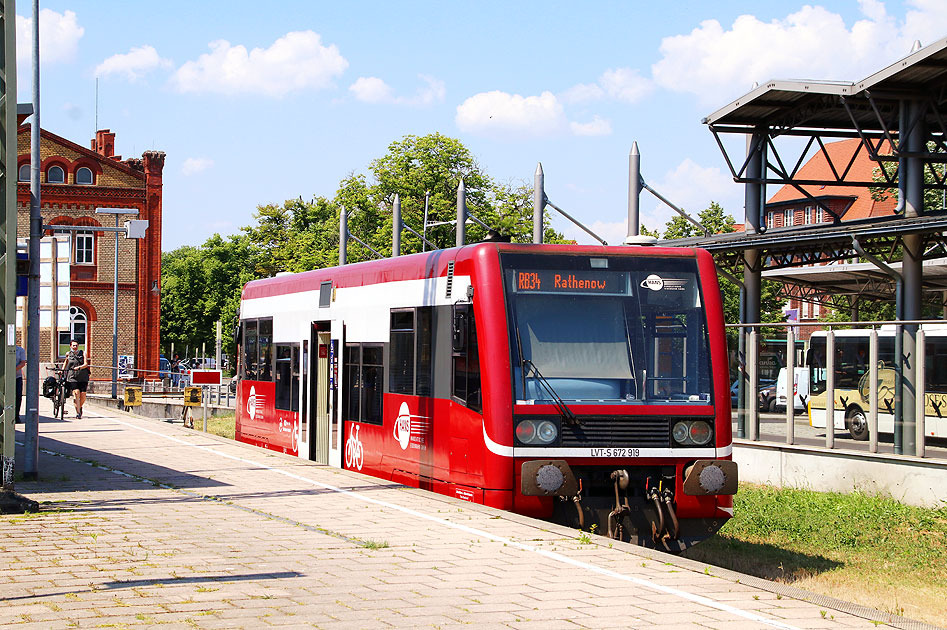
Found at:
(161, 383)
(908, 405)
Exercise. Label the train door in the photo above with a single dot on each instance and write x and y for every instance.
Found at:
(317, 416)
(303, 439)
(335, 375)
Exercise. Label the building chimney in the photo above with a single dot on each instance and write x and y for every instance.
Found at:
(104, 143)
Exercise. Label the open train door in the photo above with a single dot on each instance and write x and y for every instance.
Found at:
(318, 381)
(336, 345)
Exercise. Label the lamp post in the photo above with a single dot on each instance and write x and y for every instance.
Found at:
(116, 212)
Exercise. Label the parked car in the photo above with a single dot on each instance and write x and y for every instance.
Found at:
(767, 395)
(164, 368)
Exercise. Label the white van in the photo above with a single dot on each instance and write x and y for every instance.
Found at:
(800, 389)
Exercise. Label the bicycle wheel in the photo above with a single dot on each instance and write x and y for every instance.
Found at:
(63, 397)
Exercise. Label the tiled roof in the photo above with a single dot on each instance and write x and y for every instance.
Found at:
(817, 168)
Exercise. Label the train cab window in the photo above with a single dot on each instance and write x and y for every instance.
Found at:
(265, 342)
(250, 362)
(287, 376)
(410, 357)
(364, 382)
(466, 358)
(617, 330)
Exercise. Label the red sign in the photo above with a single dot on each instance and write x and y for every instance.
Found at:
(205, 377)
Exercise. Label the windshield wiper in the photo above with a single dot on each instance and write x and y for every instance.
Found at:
(564, 411)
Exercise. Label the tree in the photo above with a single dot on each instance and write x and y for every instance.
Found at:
(201, 285)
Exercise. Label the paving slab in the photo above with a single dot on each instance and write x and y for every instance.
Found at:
(144, 523)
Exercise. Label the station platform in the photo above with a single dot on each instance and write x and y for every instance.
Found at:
(146, 524)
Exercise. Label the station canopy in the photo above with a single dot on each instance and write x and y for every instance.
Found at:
(813, 113)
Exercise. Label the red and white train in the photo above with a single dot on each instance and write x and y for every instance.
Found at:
(583, 384)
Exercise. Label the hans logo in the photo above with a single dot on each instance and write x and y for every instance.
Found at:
(410, 429)
(653, 282)
(255, 403)
(402, 430)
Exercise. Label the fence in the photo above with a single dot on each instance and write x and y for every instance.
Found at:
(159, 383)
(851, 364)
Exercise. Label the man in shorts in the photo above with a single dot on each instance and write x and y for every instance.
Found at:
(76, 367)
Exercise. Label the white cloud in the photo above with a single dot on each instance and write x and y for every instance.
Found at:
(296, 61)
(597, 127)
(192, 166)
(133, 65)
(372, 90)
(612, 232)
(497, 113)
(625, 84)
(719, 64)
(59, 35)
(583, 93)
(375, 90)
(691, 187)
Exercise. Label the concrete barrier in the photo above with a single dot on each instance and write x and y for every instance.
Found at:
(910, 480)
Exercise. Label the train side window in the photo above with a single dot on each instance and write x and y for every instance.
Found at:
(325, 294)
(250, 350)
(265, 343)
(466, 358)
(365, 374)
(425, 351)
(287, 376)
(401, 352)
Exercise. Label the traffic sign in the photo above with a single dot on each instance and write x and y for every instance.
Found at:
(205, 377)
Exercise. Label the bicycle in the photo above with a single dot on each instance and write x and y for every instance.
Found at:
(55, 388)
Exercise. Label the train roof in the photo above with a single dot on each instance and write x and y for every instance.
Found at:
(433, 264)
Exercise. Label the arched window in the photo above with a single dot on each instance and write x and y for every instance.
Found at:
(78, 330)
(55, 175)
(84, 176)
(24, 174)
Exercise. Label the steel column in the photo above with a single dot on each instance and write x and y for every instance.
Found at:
(539, 202)
(396, 227)
(873, 391)
(31, 428)
(830, 389)
(790, 389)
(343, 235)
(634, 190)
(8, 179)
(461, 213)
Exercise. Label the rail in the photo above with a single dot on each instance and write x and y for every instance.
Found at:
(160, 383)
(908, 405)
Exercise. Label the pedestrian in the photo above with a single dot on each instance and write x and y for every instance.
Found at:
(76, 366)
(20, 364)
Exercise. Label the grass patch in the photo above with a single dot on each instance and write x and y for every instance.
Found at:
(224, 426)
(869, 550)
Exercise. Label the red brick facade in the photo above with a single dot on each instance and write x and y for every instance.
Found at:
(134, 184)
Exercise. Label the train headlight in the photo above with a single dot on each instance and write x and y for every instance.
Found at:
(526, 431)
(681, 432)
(700, 432)
(547, 432)
(537, 431)
(692, 432)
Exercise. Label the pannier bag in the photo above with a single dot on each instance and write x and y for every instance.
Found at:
(49, 387)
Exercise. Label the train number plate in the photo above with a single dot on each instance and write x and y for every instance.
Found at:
(616, 452)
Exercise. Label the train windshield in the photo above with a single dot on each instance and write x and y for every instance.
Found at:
(607, 330)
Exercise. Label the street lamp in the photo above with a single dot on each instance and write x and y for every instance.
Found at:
(116, 212)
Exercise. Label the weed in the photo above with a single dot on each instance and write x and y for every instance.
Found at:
(585, 539)
(373, 545)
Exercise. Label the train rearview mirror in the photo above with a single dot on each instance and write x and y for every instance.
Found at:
(459, 336)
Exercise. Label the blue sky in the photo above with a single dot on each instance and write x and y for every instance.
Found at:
(256, 104)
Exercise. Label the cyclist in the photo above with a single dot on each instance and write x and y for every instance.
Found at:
(76, 368)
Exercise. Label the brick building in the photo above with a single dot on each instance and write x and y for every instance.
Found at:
(74, 182)
(788, 207)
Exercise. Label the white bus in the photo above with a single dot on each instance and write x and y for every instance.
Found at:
(852, 383)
